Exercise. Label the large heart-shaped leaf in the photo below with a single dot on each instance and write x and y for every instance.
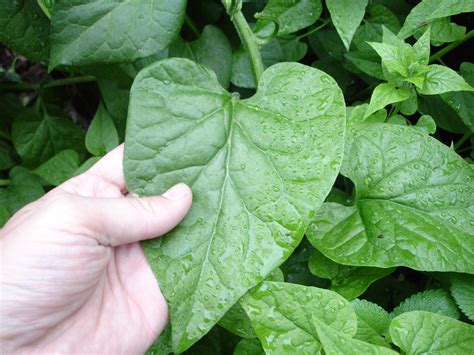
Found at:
(87, 32)
(414, 204)
(259, 169)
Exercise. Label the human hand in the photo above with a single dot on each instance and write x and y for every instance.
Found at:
(73, 276)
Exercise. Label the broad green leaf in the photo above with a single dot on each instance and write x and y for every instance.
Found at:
(410, 105)
(346, 16)
(426, 11)
(212, 49)
(336, 343)
(462, 102)
(283, 316)
(442, 31)
(259, 168)
(249, 347)
(38, 138)
(87, 32)
(290, 16)
(426, 124)
(422, 332)
(348, 281)
(444, 115)
(273, 52)
(356, 115)
(24, 28)
(436, 301)
(372, 322)
(440, 79)
(4, 214)
(59, 168)
(24, 188)
(413, 207)
(102, 135)
(385, 94)
(462, 289)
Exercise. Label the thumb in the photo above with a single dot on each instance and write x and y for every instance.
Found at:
(118, 221)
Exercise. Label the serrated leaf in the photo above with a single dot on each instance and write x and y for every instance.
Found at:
(425, 332)
(426, 11)
(88, 32)
(102, 135)
(436, 301)
(346, 16)
(59, 168)
(249, 347)
(385, 94)
(37, 138)
(291, 16)
(25, 29)
(24, 188)
(212, 50)
(414, 204)
(372, 322)
(348, 281)
(440, 79)
(336, 343)
(251, 206)
(283, 316)
(462, 289)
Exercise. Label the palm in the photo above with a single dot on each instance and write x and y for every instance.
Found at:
(90, 288)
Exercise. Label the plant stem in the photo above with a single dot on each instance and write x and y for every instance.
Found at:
(451, 46)
(49, 84)
(250, 44)
(461, 140)
(191, 25)
(313, 30)
(4, 182)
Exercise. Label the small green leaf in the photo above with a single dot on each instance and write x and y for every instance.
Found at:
(440, 79)
(372, 322)
(336, 343)
(59, 168)
(410, 105)
(397, 60)
(102, 135)
(38, 138)
(346, 16)
(348, 281)
(462, 289)
(413, 206)
(426, 124)
(291, 16)
(422, 48)
(444, 115)
(24, 188)
(436, 301)
(249, 347)
(422, 332)
(116, 96)
(250, 205)
(356, 115)
(46, 6)
(282, 315)
(212, 50)
(385, 94)
(88, 32)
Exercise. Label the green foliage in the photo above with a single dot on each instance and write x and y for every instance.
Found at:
(425, 332)
(436, 301)
(329, 146)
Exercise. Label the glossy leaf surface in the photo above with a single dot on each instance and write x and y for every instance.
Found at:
(259, 168)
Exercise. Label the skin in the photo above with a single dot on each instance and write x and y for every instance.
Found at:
(73, 276)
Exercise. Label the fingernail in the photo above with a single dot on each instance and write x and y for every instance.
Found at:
(177, 192)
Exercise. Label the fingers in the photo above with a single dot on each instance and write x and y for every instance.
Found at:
(119, 221)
